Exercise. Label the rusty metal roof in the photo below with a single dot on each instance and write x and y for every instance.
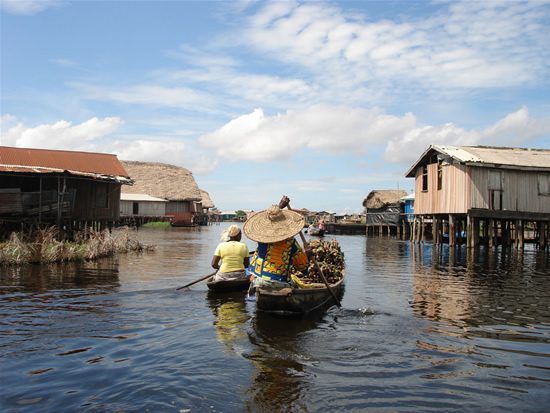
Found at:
(90, 164)
(486, 156)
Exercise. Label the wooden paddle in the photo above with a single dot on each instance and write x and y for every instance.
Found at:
(197, 281)
(285, 201)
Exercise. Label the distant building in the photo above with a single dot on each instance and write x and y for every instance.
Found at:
(171, 183)
(228, 216)
(408, 207)
(487, 192)
(66, 188)
(203, 216)
(142, 205)
(206, 203)
(383, 209)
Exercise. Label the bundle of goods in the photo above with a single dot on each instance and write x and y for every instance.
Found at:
(330, 258)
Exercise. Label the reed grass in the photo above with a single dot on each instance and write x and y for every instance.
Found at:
(42, 246)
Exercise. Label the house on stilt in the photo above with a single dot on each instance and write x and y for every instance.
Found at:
(383, 210)
(70, 189)
(172, 183)
(479, 194)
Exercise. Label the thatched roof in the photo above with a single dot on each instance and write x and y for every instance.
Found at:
(161, 181)
(206, 201)
(382, 197)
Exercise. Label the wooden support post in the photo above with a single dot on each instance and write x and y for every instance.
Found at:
(475, 234)
(423, 229)
(434, 230)
(505, 233)
(459, 231)
(491, 233)
(541, 229)
(521, 235)
(452, 230)
(469, 232)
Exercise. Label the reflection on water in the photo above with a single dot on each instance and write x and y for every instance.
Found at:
(230, 314)
(280, 381)
(420, 329)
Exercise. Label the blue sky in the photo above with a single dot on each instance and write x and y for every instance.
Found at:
(321, 101)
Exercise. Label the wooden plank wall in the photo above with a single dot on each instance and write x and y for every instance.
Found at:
(520, 191)
(448, 199)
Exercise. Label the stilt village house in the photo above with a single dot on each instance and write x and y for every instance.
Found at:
(487, 194)
(174, 184)
(65, 188)
(383, 211)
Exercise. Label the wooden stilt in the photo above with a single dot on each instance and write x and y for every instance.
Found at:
(452, 230)
(435, 240)
(521, 234)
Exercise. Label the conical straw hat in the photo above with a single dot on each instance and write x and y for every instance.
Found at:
(273, 225)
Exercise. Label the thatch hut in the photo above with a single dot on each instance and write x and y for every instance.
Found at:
(172, 183)
(383, 210)
(202, 215)
(206, 201)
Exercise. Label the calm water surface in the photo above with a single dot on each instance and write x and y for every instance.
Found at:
(419, 330)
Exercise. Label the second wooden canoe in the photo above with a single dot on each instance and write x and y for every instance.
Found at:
(228, 285)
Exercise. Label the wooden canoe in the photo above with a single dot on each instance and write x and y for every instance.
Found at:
(228, 285)
(317, 232)
(297, 302)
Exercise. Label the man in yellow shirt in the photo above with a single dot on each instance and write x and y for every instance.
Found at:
(233, 255)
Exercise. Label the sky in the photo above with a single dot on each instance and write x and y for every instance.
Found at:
(320, 101)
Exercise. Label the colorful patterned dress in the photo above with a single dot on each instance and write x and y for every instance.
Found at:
(274, 261)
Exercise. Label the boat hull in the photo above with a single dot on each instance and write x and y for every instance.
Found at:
(228, 285)
(297, 302)
(316, 232)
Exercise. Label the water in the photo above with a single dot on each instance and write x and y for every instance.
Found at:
(419, 330)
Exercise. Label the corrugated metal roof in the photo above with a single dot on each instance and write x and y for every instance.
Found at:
(507, 158)
(140, 197)
(537, 158)
(27, 160)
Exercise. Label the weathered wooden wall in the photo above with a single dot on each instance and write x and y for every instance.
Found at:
(145, 208)
(470, 187)
(452, 198)
(520, 190)
(93, 200)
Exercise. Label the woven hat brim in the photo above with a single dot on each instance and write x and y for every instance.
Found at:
(260, 228)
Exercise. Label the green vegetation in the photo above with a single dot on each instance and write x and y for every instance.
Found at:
(42, 246)
(157, 224)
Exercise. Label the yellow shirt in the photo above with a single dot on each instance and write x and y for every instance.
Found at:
(232, 254)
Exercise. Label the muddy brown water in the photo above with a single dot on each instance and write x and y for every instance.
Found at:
(420, 330)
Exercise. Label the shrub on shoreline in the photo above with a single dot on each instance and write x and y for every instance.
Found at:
(42, 246)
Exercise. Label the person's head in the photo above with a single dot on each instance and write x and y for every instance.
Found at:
(233, 233)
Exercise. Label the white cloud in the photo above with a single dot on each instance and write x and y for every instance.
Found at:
(464, 46)
(333, 129)
(515, 129)
(155, 95)
(61, 134)
(96, 135)
(164, 150)
(27, 7)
